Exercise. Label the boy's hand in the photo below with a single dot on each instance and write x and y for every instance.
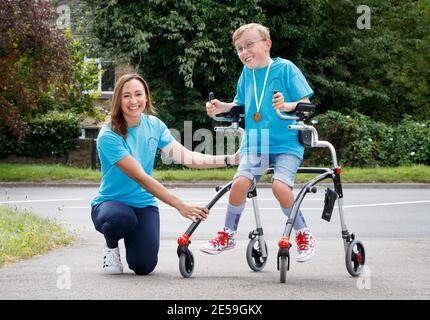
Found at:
(215, 107)
(278, 101)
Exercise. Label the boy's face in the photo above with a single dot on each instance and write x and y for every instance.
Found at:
(253, 50)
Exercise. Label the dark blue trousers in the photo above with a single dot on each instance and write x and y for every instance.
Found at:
(139, 227)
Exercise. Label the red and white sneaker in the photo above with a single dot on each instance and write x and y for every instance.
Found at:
(223, 241)
(305, 245)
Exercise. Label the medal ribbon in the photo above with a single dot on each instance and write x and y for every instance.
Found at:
(258, 103)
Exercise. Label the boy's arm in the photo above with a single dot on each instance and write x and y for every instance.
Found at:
(281, 105)
(215, 107)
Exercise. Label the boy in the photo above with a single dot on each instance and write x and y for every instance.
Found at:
(267, 141)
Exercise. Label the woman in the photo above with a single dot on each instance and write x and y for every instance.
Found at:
(125, 206)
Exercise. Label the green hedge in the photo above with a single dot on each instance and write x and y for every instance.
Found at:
(362, 142)
(51, 134)
(7, 144)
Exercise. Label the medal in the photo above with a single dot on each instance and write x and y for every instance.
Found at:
(257, 115)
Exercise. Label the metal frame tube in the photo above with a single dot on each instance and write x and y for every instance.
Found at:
(258, 223)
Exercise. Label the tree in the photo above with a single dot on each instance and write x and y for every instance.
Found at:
(34, 58)
(380, 72)
(184, 50)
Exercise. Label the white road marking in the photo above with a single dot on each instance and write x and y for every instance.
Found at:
(277, 207)
(46, 200)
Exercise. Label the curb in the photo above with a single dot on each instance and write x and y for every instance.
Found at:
(207, 184)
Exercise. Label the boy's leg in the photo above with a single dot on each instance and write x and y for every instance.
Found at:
(251, 168)
(225, 239)
(282, 183)
(284, 194)
(248, 173)
(143, 243)
(237, 200)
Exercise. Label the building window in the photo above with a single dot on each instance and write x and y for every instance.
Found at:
(107, 82)
(106, 76)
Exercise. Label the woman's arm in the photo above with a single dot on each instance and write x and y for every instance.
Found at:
(192, 159)
(133, 169)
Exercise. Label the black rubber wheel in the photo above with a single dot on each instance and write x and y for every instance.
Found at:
(254, 256)
(186, 264)
(355, 258)
(283, 268)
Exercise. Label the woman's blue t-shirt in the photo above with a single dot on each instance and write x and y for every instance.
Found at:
(271, 134)
(142, 143)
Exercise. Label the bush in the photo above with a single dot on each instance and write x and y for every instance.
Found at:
(7, 144)
(408, 143)
(361, 142)
(53, 134)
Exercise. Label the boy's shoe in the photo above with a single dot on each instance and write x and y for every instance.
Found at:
(224, 241)
(112, 261)
(305, 245)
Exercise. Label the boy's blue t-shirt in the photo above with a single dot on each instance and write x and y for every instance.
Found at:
(271, 134)
(142, 143)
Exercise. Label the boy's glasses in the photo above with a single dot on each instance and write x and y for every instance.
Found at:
(247, 46)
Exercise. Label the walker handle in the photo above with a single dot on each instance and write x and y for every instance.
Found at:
(303, 111)
(232, 116)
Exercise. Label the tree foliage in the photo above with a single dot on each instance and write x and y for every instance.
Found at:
(184, 50)
(42, 68)
(34, 58)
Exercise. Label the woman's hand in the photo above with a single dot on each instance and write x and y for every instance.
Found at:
(234, 159)
(193, 212)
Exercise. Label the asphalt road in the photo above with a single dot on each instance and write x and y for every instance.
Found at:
(393, 224)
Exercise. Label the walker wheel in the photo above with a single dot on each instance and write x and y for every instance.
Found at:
(283, 268)
(186, 264)
(254, 255)
(355, 258)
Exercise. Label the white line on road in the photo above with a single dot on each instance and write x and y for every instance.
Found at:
(272, 208)
(386, 204)
(47, 200)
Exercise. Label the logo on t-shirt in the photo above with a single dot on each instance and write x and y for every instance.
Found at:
(152, 144)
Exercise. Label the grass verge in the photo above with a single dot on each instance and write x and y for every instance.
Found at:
(414, 174)
(35, 172)
(28, 172)
(24, 235)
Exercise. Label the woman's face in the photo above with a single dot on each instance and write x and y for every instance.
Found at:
(133, 101)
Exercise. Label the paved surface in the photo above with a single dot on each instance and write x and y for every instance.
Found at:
(394, 225)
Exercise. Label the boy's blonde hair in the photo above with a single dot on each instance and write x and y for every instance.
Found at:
(262, 30)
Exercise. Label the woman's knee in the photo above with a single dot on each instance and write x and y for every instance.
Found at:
(143, 268)
(114, 217)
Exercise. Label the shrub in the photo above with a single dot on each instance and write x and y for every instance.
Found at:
(361, 142)
(408, 143)
(53, 134)
(7, 144)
